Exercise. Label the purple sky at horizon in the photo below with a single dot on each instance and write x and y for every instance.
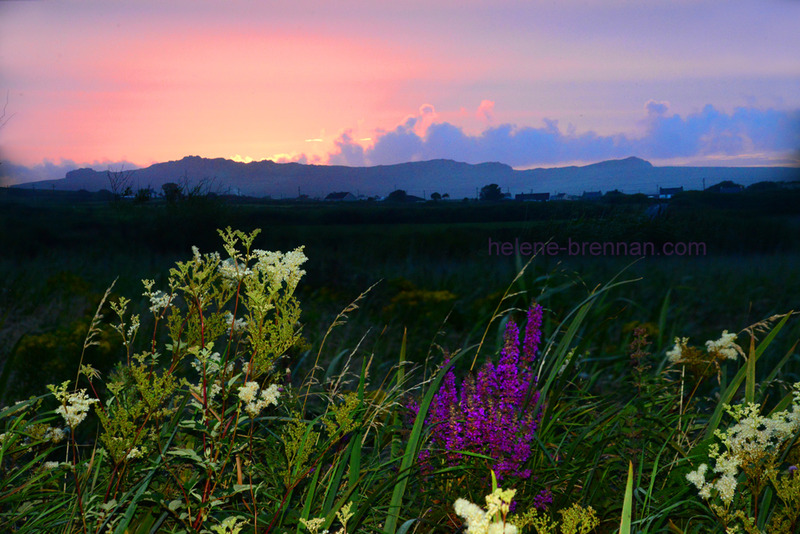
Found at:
(530, 84)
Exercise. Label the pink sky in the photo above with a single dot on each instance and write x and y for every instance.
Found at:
(93, 82)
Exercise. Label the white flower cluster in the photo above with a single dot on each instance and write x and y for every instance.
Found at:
(676, 354)
(133, 454)
(51, 465)
(238, 326)
(724, 346)
(74, 406)
(232, 271)
(254, 403)
(159, 300)
(480, 521)
(281, 267)
(752, 437)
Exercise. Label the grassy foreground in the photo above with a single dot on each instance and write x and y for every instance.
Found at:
(217, 419)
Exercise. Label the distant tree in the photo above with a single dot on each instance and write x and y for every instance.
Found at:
(120, 182)
(172, 192)
(144, 195)
(446, 195)
(397, 196)
(491, 192)
(436, 197)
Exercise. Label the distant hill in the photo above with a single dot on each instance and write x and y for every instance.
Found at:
(285, 180)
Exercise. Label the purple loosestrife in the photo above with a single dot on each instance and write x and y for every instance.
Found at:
(487, 417)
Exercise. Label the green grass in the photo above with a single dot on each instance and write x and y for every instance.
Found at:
(614, 437)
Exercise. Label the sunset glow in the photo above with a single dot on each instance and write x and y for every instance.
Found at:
(364, 83)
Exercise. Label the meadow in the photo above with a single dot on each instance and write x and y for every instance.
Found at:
(396, 367)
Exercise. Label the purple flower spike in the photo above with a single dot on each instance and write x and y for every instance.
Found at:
(533, 333)
(486, 416)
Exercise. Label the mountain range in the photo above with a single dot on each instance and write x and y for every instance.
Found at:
(458, 180)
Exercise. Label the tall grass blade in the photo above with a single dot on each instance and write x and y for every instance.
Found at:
(627, 504)
(412, 448)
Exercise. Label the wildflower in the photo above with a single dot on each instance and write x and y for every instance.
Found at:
(281, 267)
(248, 392)
(487, 417)
(51, 465)
(133, 454)
(724, 346)
(159, 300)
(543, 499)
(232, 271)
(533, 333)
(74, 406)
(726, 485)
(493, 519)
(235, 325)
(698, 477)
(675, 355)
(475, 517)
(253, 403)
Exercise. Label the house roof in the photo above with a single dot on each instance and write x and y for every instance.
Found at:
(532, 196)
(670, 190)
(338, 196)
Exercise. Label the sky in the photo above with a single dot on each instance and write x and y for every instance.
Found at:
(529, 83)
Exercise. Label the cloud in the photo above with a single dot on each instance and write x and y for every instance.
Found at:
(707, 133)
(654, 107)
(485, 111)
(348, 152)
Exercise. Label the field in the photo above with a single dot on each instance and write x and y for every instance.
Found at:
(376, 407)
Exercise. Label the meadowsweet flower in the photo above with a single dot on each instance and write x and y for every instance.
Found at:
(751, 443)
(254, 403)
(74, 406)
(281, 267)
(726, 485)
(236, 326)
(675, 354)
(724, 346)
(248, 392)
(475, 517)
(698, 476)
(493, 519)
(159, 300)
(133, 454)
(232, 271)
(51, 465)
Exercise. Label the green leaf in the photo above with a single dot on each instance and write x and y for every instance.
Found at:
(627, 504)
